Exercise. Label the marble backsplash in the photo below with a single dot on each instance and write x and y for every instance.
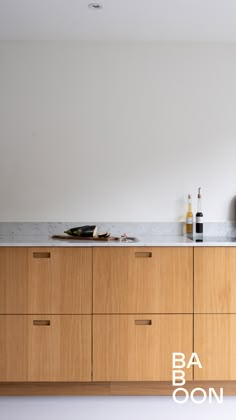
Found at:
(226, 229)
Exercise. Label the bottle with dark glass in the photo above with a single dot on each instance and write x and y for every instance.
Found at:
(199, 214)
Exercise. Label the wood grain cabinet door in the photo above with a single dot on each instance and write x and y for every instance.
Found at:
(215, 344)
(139, 347)
(45, 348)
(45, 280)
(143, 280)
(13, 280)
(71, 281)
(215, 280)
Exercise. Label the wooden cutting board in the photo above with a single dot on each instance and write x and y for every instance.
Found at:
(85, 238)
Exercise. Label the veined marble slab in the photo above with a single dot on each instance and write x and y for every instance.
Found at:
(115, 229)
(148, 234)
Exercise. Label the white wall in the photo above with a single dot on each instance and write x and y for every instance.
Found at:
(115, 132)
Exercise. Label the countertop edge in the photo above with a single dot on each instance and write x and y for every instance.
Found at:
(152, 241)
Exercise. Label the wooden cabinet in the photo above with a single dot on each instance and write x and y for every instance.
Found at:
(215, 344)
(53, 330)
(139, 347)
(43, 335)
(116, 314)
(215, 280)
(45, 348)
(143, 280)
(215, 307)
(45, 280)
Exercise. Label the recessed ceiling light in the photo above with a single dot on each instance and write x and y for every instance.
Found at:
(95, 6)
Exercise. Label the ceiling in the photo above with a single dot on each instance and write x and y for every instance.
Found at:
(119, 20)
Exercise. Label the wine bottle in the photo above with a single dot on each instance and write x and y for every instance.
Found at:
(199, 214)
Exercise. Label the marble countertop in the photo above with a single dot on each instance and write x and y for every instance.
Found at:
(145, 240)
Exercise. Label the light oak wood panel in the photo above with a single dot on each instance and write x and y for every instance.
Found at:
(165, 388)
(215, 344)
(110, 388)
(72, 270)
(14, 268)
(45, 280)
(125, 351)
(60, 351)
(13, 348)
(215, 280)
(39, 281)
(143, 280)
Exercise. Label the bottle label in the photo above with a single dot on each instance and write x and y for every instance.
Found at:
(199, 219)
(189, 220)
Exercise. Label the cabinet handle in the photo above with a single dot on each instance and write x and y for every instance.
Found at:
(41, 254)
(143, 322)
(143, 254)
(41, 322)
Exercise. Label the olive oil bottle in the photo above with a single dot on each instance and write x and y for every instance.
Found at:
(189, 217)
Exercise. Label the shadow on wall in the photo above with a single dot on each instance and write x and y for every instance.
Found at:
(232, 210)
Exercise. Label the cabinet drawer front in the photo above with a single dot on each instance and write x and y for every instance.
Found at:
(215, 280)
(14, 271)
(45, 280)
(139, 347)
(215, 344)
(45, 348)
(143, 280)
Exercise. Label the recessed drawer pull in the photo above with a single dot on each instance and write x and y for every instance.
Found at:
(41, 254)
(143, 322)
(143, 254)
(41, 322)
